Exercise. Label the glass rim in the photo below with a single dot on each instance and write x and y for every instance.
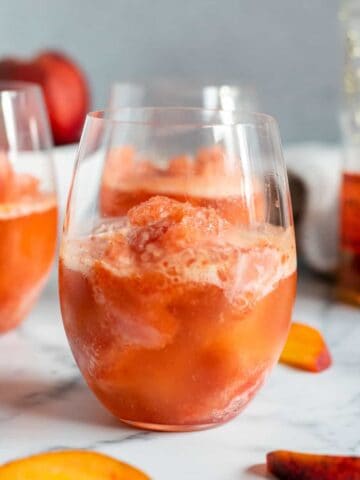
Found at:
(18, 87)
(188, 84)
(242, 117)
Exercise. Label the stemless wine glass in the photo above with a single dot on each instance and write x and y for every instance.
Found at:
(179, 93)
(177, 265)
(28, 212)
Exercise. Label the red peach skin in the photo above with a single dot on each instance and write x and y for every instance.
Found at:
(286, 465)
(64, 85)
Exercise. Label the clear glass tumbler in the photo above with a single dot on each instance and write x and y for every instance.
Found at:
(177, 265)
(28, 211)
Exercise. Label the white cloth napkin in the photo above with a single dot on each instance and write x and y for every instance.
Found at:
(318, 166)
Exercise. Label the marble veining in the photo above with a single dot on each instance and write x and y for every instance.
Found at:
(45, 405)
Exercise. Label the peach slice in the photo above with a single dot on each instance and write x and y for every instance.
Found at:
(306, 349)
(70, 465)
(287, 465)
(119, 296)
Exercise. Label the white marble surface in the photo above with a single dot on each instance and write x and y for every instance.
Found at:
(44, 404)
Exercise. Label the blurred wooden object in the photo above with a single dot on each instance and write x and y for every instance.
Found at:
(298, 196)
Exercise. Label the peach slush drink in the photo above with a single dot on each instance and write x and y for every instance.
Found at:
(28, 219)
(174, 308)
(130, 179)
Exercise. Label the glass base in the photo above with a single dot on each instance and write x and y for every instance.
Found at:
(172, 428)
(233, 410)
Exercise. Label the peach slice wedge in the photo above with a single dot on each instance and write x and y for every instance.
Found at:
(306, 349)
(287, 465)
(70, 465)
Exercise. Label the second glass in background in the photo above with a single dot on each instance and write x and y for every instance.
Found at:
(180, 93)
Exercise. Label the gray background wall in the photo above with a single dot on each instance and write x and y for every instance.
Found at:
(288, 48)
